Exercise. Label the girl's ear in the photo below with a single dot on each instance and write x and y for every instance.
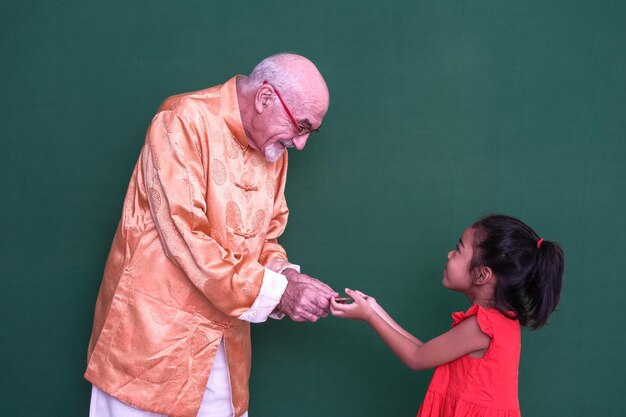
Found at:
(484, 276)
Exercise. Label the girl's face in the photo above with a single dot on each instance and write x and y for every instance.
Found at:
(457, 275)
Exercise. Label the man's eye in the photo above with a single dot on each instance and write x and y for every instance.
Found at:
(457, 248)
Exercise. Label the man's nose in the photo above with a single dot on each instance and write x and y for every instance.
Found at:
(450, 254)
(300, 141)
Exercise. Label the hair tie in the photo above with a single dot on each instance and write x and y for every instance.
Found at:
(539, 243)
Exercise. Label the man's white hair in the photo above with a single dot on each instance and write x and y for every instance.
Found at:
(273, 70)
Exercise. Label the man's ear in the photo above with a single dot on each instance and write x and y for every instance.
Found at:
(263, 98)
(484, 276)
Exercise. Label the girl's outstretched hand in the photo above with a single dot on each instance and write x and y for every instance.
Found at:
(360, 309)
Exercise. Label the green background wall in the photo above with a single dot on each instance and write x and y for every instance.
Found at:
(440, 112)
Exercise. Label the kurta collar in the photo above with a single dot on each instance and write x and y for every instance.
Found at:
(230, 111)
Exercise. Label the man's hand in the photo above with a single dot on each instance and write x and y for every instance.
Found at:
(305, 298)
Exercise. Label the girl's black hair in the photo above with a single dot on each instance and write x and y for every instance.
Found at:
(529, 278)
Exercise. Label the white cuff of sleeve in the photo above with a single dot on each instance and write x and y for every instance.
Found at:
(280, 266)
(272, 290)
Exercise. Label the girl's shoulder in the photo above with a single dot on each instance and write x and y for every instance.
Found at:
(488, 318)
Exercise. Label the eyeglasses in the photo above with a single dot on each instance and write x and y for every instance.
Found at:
(302, 130)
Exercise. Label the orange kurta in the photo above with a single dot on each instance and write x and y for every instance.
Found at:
(201, 217)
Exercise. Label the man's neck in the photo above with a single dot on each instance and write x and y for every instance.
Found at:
(244, 101)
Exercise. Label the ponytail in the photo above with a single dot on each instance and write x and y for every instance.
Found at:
(544, 289)
(529, 270)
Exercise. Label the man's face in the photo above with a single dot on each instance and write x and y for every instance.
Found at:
(275, 129)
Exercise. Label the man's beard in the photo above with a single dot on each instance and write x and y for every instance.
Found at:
(275, 150)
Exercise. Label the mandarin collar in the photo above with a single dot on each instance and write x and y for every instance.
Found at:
(231, 113)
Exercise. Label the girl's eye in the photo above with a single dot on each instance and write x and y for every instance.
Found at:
(457, 248)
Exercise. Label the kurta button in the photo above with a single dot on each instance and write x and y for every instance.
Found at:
(246, 234)
(247, 187)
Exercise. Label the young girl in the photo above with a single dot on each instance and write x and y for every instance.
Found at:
(512, 278)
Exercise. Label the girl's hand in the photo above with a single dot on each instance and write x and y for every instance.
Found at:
(360, 309)
(370, 300)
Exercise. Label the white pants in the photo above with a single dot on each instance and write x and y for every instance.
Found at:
(216, 402)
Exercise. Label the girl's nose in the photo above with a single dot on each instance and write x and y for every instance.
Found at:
(300, 141)
(450, 254)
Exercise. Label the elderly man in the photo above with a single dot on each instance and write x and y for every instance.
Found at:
(195, 257)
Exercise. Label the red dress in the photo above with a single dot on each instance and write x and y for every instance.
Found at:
(479, 387)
